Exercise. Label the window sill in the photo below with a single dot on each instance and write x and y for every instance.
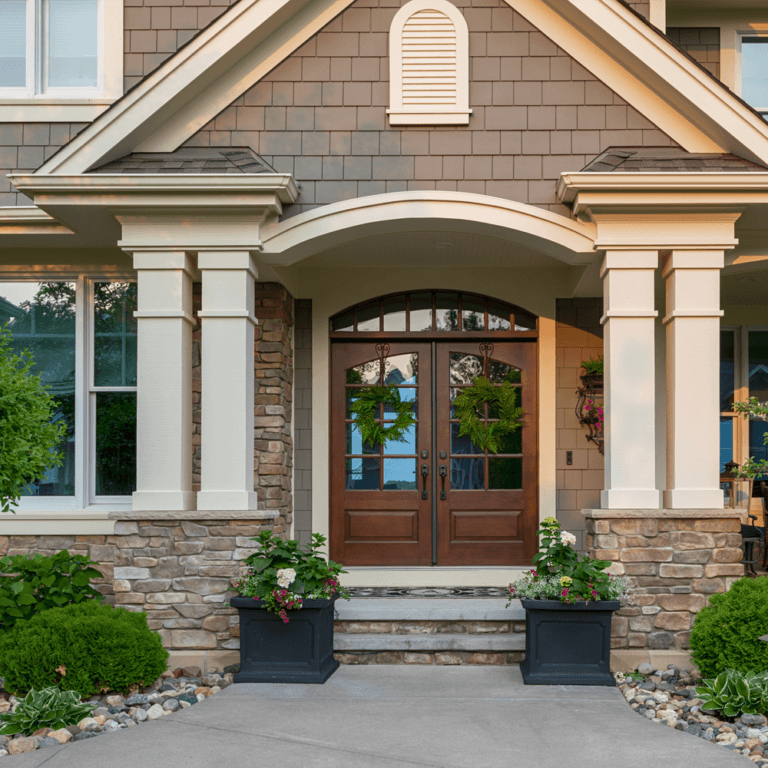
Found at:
(427, 117)
(57, 523)
(52, 110)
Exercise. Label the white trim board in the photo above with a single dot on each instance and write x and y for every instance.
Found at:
(254, 36)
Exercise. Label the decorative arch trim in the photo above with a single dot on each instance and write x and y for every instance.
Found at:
(429, 65)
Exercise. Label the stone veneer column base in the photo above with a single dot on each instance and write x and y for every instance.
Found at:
(675, 559)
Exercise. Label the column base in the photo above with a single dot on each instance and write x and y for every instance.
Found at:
(693, 498)
(630, 498)
(177, 501)
(217, 501)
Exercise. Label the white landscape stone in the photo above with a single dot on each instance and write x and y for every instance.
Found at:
(154, 712)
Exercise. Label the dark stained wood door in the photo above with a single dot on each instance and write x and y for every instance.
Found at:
(379, 512)
(487, 514)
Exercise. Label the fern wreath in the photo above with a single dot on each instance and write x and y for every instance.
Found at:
(467, 404)
(365, 412)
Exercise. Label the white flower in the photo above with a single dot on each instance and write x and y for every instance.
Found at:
(286, 577)
(567, 538)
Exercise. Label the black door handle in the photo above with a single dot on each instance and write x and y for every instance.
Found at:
(443, 473)
(424, 474)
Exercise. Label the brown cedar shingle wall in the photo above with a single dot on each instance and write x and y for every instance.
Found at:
(321, 115)
(643, 7)
(701, 43)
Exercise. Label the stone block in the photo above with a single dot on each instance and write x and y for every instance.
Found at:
(641, 623)
(200, 585)
(691, 603)
(131, 542)
(619, 626)
(609, 541)
(606, 554)
(152, 585)
(650, 610)
(660, 640)
(677, 571)
(641, 569)
(193, 531)
(708, 586)
(715, 525)
(644, 527)
(699, 556)
(635, 541)
(166, 598)
(194, 611)
(132, 573)
(125, 528)
(682, 540)
(485, 658)
(418, 658)
(674, 621)
(192, 639)
(646, 554)
(368, 627)
(447, 658)
(216, 623)
(637, 639)
(601, 526)
(713, 571)
(389, 657)
(727, 555)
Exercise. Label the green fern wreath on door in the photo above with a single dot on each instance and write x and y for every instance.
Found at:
(470, 401)
(365, 412)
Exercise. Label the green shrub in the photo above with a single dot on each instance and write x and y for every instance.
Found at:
(33, 583)
(726, 633)
(735, 693)
(49, 708)
(88, 648)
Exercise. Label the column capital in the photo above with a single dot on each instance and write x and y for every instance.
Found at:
(228, 259)
(161, 259)
(692, 259)
(629, 259)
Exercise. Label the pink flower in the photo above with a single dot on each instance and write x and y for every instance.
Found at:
(565, 592)
(594, 593)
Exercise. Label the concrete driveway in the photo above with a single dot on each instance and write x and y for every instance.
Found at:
(398, 717)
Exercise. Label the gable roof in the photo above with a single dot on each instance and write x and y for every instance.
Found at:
(189, 160)
(253, 36)
(668, 160)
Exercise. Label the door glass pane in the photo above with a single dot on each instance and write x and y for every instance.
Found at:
(114, 353)
(726, 442)
(365, 373)
(72, 51)
(400, 474)
(355, 442)
(494, 411)
(727, 369)
(462, 444)
(524, 322)
(758, 365)
(421, 311)
(465, 368)
(41, 318)
(13, 41)
(115, 443)
(505, 473)
(407, 395)
(498, 373)
(345, 322)
(368, 317)
(498, 317)
(447, 311)
(472, 313)
(394, 313)
(362, 474)
(401, 369)
(757, 449)
(754, 65)
(468, 474)
(511, 443)
(406, 445)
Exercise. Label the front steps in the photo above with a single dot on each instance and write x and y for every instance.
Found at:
(429, 631)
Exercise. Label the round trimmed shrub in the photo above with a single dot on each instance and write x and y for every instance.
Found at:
(726, 633)
(86, 647)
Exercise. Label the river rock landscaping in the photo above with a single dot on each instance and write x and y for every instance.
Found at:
(668, 697)
(172, 691)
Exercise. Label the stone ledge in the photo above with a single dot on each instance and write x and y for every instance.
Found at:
(498, 642)
(429, 609)
(661, 514)
(195, 514)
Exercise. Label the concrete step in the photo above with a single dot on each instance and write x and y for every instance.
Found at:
(428, 609)
(496, 642)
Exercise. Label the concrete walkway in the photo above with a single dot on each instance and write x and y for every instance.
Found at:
(398, 717)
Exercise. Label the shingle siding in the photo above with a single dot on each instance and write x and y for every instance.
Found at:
(703, 43)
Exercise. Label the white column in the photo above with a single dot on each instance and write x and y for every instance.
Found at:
(227, 427)
(164, 406)
(693, 379)
(630, 448)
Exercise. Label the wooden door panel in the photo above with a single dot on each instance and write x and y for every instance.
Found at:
(485, 525)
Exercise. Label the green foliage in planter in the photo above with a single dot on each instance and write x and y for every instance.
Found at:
(88, 648)
(734, 693)
(726, 632)
(49, 708)
(33, 583)
(593, 366)
(28, 437)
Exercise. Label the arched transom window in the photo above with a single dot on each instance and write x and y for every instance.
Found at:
(429, 65)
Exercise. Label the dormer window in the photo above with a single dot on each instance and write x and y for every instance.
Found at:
(754, 65)
(429, 65)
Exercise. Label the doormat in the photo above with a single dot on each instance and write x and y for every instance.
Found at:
(428, 592)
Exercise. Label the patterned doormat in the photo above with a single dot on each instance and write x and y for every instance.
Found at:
(428, 592)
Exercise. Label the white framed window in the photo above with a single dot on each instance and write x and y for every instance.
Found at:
(429, 65)
(81, 333)
(59, 53)
(752, 74)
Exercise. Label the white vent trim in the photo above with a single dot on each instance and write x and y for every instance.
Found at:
(429, 65)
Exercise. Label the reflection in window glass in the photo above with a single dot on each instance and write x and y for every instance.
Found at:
(421, 311)
(524, 322)
(41, 318)
(726, 442)
(462, 444)
(758, 365)
(394, 313)
(355, 443)
(407, 395)
(447, 311)
(498, 317)
(362, 474)
(399, 474)
(13, 40)
(472, 313)
(406, 445)
(468, 474)
(368, 317)
(72, 51)
(505, 473)
(115, 443)
(366, 373)
(114, 354)
(345, 322)
(465, 368)
(754, 65)
(401, 369)
(727, 370)
(757, 449)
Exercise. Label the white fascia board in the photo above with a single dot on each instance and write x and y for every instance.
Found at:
(29, 220)
(187, 91)
(651, 74)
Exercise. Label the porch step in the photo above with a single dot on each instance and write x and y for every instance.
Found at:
(428, 609)
(497, 642)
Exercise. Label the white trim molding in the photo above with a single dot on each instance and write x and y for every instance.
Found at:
(429, 65)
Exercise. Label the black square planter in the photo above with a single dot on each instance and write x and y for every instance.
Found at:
(300, 651)
(568, 643)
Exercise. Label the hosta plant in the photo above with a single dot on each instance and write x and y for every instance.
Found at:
(47, 708)
(733, 693)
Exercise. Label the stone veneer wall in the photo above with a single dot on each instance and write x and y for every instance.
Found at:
(579, 336)
(675, 559)
(703, 44)
(302, 421)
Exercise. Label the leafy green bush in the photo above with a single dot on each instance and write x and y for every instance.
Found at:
(726, 633)
(28, 437)
(49, 708)
(735, 693)
(593, 366)
(87, 648)
(33, 583)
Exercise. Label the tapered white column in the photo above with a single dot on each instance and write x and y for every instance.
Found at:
(227, 479)
(630, 440)
(693, 379)
(164, 403)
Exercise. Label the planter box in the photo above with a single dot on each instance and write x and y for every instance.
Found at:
(300, 651)
(568, 644)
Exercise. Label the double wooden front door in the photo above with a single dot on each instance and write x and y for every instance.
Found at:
(434, 498)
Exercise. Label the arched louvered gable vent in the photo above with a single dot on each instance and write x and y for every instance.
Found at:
(429, 65)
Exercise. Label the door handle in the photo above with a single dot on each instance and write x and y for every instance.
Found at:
(443, 473)
(424, 475)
